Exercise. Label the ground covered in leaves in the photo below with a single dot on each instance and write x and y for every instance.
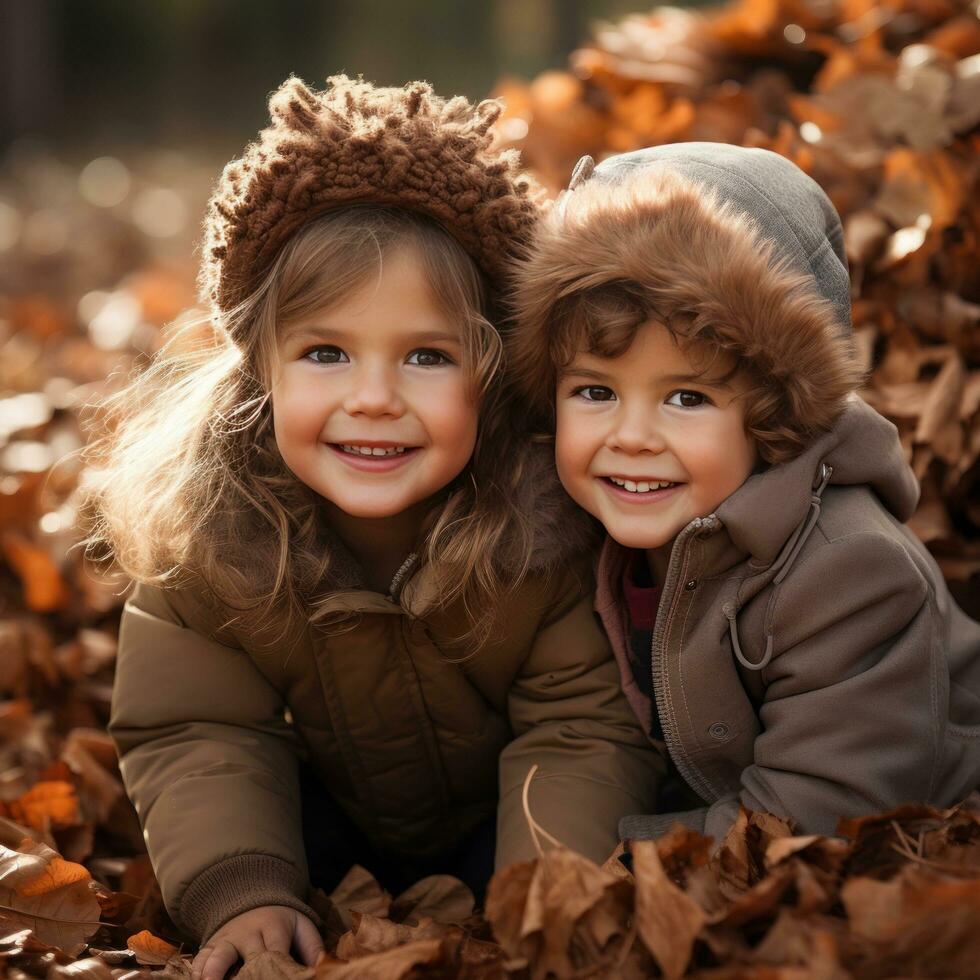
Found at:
(880, 102)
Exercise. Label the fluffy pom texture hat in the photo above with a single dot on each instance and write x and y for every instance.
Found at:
(355, 143)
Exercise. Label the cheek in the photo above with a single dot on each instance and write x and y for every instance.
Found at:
(574, 446)
(720, 461)
(296, 408)
(450, 415)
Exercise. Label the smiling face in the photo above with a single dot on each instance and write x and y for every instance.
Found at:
(643, 444)
(372, 407)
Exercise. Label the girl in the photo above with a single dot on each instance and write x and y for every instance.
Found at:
(328, 523)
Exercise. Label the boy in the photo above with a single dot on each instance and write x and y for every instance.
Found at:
(683, 319)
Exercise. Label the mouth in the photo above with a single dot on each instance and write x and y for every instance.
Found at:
(371, 449)
(373, 456)
(640, 491)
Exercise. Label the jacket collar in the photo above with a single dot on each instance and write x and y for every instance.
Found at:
(863, 448)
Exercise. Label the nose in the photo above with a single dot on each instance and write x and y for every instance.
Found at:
(636, 430)
(374, 393)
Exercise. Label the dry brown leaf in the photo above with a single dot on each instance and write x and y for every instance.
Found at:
(918, 924)
(394, 964)
(91, 968)
(561, 913)
(269, 964)
(359, 891)
(942, 404)
(41, 891)
(812, 942)
(373, 935)
(667, 919)
(740, 861)
(441, 898)
(103, 790)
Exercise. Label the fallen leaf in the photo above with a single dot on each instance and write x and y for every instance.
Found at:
(438, 897)
(561, 913)
(268, 964)
(667, 919)
(918, 924)
(150, 950)
(394, 964)
(44, 588)
(91, 968)
(41, 891)
(359, 891)
(48, 804)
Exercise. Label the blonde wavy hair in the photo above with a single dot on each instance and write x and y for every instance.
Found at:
(184, 474)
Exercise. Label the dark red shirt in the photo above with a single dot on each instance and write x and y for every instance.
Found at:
(642, 597)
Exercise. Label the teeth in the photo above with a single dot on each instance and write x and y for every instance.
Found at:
(372, 450)
(643, 486)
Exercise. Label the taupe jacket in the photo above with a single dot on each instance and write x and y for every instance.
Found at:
(416, 749)
(807, 657)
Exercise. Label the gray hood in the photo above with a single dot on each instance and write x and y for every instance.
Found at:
(787, 207)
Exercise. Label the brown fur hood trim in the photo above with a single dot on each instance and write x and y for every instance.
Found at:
(695, 255)
(355, 143)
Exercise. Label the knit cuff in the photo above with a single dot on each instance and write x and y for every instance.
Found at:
(643, 826)
(236, 885)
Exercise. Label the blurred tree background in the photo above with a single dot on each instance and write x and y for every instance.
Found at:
(194, 75)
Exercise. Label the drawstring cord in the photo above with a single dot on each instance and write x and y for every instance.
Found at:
(394, 590)
(791, 552)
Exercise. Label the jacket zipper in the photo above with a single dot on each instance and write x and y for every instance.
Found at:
(676, 572)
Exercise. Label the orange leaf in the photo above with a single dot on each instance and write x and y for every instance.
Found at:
(44, 588)
(56, 875)
(41, 891)
(150, 950)
(47, 804)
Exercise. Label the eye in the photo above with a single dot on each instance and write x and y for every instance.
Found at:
(595, 393)
(688, 399)
(428, 358)
(331, 355)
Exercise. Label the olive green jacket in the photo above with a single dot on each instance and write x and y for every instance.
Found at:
(418, 750)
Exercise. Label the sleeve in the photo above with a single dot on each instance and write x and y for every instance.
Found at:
(854, 707)
(211, 765)
(570, 718)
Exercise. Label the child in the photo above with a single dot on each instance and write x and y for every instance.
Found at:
(329, 524)
(684, 319)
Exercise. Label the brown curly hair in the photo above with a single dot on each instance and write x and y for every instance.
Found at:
(668, 249)
(357, 143)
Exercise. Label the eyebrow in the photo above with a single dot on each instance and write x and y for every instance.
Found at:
(593, 375)
(297, 331)
(697, 379)
(580, 372)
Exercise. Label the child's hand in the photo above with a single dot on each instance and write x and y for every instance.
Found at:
(271, 927)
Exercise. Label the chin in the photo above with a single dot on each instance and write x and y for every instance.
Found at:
(369, 510)
(639, 540)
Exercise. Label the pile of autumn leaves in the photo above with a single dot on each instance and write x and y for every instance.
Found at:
(896, 895)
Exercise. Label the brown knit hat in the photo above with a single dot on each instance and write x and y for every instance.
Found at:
(354, 143)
